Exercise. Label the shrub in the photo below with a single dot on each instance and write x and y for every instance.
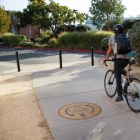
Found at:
(49, 33)
(53, 42)
(98, 37)
(22, 43)
(134, 34)
(12, 39)
(1, 40)
(36, 45)
(32, 39)
(83, 40)
(137, 57)
(38, 39)
(45, 45)
(45, 39)
(104, 43)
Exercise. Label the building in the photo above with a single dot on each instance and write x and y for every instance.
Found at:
(89, 22)
(90, 25)
(29, 31)
(130, 18)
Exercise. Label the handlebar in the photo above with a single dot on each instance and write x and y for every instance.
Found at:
(113, 59)
(131, 61)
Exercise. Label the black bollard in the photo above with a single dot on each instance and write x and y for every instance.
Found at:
(60, 58)
(92, 57)
(17, 58)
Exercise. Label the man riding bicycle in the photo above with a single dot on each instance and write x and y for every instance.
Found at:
(121, 60)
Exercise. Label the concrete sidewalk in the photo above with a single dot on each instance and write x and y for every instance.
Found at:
(79, 83)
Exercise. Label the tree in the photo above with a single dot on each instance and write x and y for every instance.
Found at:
(106, 11)
(129, 23)
(134, 34)
(59, 16)
(4, 20)
(49, 16)
(33, 14)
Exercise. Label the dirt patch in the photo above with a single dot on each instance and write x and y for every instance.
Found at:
(20, 115)
(135, 69)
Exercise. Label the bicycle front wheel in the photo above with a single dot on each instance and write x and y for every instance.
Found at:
(110, 83)
(133, 95)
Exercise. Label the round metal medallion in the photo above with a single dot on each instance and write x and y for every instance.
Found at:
(79, 111)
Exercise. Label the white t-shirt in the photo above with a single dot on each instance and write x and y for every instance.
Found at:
(112, 43)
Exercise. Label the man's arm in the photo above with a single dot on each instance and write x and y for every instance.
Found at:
(108, 53)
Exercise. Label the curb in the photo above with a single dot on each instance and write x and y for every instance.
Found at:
(54, 49)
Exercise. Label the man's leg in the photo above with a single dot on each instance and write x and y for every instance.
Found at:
(118, 71)
(118, 66)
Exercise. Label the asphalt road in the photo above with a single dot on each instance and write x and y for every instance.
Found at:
(31, 57)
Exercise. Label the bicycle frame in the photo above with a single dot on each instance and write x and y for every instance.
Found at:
(109, 82)
(128, 76)
(131, 86)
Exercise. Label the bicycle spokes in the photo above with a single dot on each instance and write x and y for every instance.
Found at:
(110, 83)
(133, 95)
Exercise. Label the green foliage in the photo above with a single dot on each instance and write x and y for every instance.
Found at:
(12, 39)
(36, 45)
(32, 39)
(22, 43)
(45, 39)
(48, 32)
(137, 57)
(62, 39)
(82, 28)
(71, 39)
(38, 39)
(129, 23)
(45, 45)
(1, 40)
(53, 42)
(104, 12)
(83, 40)
(104, 43)
(49, 16)
(29, 45)
(134, 34)
(72, 28)
(4, 20)
(98, 37)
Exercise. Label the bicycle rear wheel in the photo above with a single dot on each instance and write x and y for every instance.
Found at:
(110, 83)
(133, 95)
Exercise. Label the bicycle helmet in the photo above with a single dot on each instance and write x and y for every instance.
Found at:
(118, 28)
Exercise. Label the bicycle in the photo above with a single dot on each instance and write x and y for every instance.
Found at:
(131, 83)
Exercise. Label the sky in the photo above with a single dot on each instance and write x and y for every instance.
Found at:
(133, 6)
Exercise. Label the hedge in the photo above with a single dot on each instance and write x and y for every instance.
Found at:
(83, 40)
(12, 39)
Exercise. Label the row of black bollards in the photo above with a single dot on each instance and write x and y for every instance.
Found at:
(60, 59)
(18, 64)
(92, 57)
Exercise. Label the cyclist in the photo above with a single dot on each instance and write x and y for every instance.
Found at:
(121, 60)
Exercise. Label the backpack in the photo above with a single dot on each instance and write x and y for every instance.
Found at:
(123, 44)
